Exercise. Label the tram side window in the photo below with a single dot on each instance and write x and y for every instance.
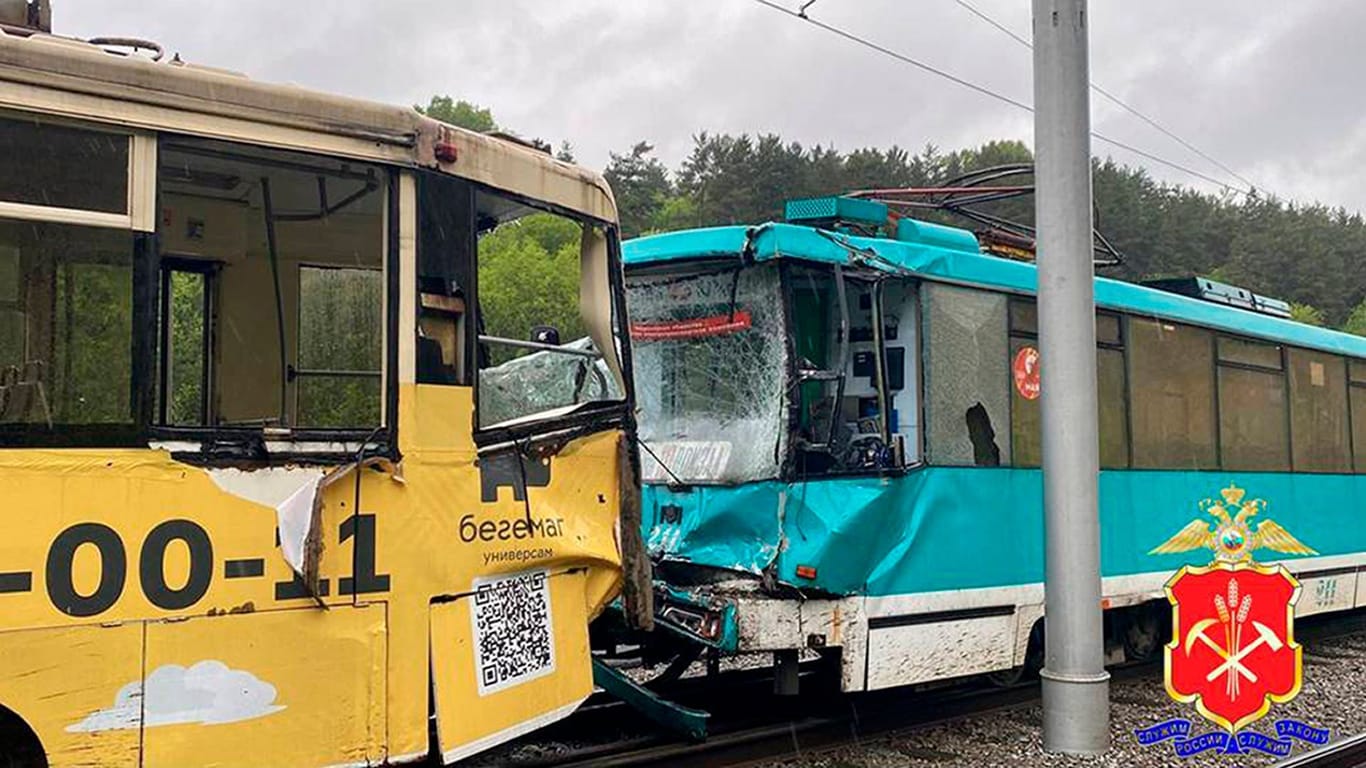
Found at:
(66, 289)
(50, 164)
(268, 248)
(1318, 412)
(1171, 385)
(535, 356)
(1026, 412)
(341, 341)
(1357, 393)
(967, 397)
(66, 328)
(1252, 406)
(183, 344)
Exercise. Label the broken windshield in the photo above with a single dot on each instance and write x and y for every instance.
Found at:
(710, 361)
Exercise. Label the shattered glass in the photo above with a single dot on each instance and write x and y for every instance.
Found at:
(542, 381)
(710, 364)
(967, 377)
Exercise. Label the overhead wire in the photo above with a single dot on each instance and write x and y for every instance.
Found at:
(984, 16)
(985, 91)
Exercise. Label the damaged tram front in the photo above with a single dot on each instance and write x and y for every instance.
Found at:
(296, 470)
(840, 429)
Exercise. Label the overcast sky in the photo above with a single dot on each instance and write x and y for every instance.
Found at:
(1271, 88)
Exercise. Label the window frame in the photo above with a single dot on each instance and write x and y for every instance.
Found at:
(1006, 444)
(1030, 333)
(208, 270)
(1355, 372)
(295, 372)
(790, 468)
(231, 444)
(139, 221)
(1130, 336)
(1280, 372)
(1354, 384)
(596, 415)
(140, 209)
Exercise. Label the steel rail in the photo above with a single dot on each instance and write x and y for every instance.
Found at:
(816, 726)
(1347, 753)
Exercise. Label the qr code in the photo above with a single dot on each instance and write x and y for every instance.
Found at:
(514, 640)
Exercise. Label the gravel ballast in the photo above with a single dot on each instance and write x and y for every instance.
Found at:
(1333, 696)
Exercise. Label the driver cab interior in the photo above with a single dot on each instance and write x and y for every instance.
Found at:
(855, 400)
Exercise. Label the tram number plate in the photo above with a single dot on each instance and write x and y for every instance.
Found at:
(151, 560)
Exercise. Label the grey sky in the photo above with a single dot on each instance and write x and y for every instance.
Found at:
(1270, 88)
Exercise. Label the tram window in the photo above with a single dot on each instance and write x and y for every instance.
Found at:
(51, 164)
(1318, 412)
(445, 257)
(1024, 317)
(968, 398)
(1026, 418)
(1108, 329)
(66, 328)
(1252, 420)
(1171, 387)
(11, 307)
(296, 243)
(1357, 394)
(1025, 413)
(1114, 408)
(340, 346)
(184, 346)
(712, 400)
(534, 353)
(1249, 353)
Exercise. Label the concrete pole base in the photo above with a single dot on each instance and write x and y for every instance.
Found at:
(1076, 713)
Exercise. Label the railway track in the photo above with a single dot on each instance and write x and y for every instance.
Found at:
(860, 721)
(1348, 753)
(751, 725)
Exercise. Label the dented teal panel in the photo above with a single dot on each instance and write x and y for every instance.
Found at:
(941, 528)
(731, 527)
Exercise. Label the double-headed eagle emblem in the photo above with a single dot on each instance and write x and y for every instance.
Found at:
(1231, 538)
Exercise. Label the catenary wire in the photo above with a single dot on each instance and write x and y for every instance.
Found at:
(996, 95)
(1113, 98)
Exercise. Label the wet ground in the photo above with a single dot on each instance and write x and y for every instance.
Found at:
(1333, 696)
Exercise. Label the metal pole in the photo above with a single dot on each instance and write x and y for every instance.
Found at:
(1076, 704)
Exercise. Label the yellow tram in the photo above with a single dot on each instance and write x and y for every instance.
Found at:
(274, 491)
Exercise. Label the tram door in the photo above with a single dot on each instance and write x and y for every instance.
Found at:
(509, 646)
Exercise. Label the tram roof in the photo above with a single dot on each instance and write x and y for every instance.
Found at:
(931, 261)
(62, 75)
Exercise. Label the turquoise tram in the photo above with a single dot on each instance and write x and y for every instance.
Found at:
(840, 424)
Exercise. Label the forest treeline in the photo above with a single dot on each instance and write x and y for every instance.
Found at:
(1311, 255)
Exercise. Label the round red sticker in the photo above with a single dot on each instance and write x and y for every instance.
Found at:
(1025, 369)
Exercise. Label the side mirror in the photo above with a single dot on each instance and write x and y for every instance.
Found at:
(546, 334)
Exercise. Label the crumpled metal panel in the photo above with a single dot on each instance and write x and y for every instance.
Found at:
(943, 528)
(710, 360)
(736, 528)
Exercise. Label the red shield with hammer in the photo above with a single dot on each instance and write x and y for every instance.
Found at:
(1233, 649)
